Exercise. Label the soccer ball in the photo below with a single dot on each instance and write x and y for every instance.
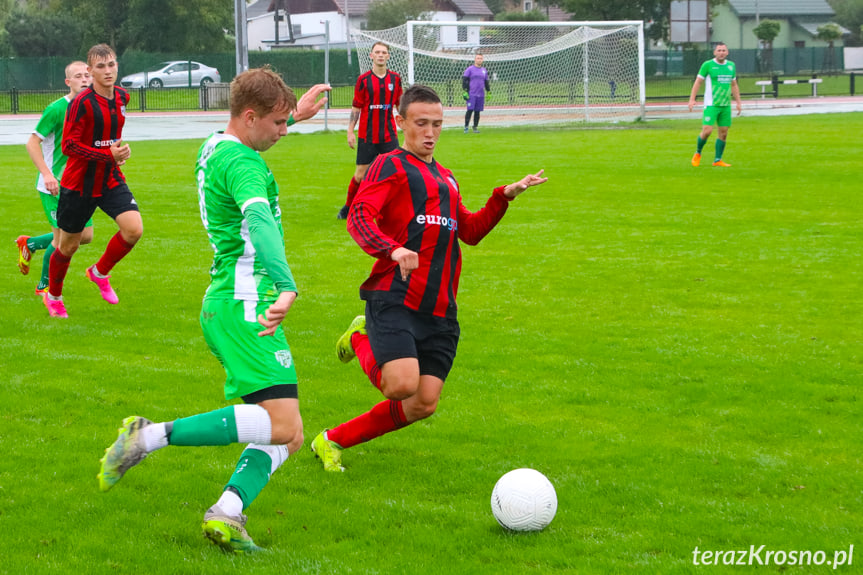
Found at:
(523, 500)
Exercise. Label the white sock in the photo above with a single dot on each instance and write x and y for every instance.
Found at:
(155, 437)
(96, 272)
(253, 424)
(230, 503)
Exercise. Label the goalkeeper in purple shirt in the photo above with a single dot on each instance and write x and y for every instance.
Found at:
(475, 84)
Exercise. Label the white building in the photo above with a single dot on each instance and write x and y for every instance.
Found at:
(302, 22)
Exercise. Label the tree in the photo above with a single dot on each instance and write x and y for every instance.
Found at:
(384, 14)
(36, 33)
(767, 31)
(171, 26)
(101, 21)
(531, 16)
(617, 9)
(828, 33)
(849, 13)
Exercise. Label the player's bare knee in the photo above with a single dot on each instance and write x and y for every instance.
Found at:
(424, 410)
(288, 433)
(399, 388)
(132, 235)
(68, 249)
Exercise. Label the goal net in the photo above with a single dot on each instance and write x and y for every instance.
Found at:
(540, 72)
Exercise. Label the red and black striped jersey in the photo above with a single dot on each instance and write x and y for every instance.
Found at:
(405, 202)
(93, 123)
(377, 98)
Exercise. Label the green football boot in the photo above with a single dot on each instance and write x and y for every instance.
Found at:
(126, 452)
(344, 349)
(227, 532)
(329, 452)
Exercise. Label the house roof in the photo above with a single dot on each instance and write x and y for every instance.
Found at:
(781, 7)
(354, 7)
(360, 7)
(556, 14)
(812, 27)
(471, 8)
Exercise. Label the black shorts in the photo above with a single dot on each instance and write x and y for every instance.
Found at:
(366, 152)
(279, 391)
(397, 332)
(73, 209)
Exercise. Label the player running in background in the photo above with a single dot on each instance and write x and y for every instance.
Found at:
(719, 76)
(410, 216)
(475, 84)
(250, 293)
(44, 148)
(376, 101)
(92, 137)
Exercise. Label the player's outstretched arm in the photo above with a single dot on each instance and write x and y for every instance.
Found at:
(308, 105)
(276, 313)
(515, 189)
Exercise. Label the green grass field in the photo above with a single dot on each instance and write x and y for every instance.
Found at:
(677, 349)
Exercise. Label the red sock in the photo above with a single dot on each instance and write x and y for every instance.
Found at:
(57, 269)
(116, 250)
(353, 187)
(363, 349)
(384, 417)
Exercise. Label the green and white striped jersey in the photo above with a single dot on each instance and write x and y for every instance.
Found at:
(231, 177)
(50, 131)
(717, 82)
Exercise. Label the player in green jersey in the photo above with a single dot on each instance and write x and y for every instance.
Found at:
(250, 293)
(43, 146)
(719, 78)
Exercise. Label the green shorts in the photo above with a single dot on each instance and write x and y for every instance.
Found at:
(49, 203)
(252, 363)
(719, 115)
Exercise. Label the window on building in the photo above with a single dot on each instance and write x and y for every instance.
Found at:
(528, 6)
(799, 44)
(462, 33)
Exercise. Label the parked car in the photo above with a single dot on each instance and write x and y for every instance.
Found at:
(174, 73)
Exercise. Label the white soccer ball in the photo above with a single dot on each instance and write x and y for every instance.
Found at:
(524, 500)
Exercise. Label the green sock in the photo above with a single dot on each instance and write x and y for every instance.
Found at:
(251, 475)
(46, 265)
(720, 148)
(40, 242)
(217, 427)
(700, 145)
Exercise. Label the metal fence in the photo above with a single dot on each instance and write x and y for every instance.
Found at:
(204, 98)
(28, 85)
(297, 68)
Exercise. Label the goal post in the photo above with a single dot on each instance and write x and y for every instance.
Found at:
(540, 72)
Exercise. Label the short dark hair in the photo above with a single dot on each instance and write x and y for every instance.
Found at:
(262, 90)
(100, 51)
(417, 93)
(718, 44)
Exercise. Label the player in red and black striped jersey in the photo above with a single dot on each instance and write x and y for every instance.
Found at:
(376, 102)
(409, 214)
(92, 139)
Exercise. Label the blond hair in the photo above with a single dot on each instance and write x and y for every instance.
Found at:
(100, 52)
(262, 90)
